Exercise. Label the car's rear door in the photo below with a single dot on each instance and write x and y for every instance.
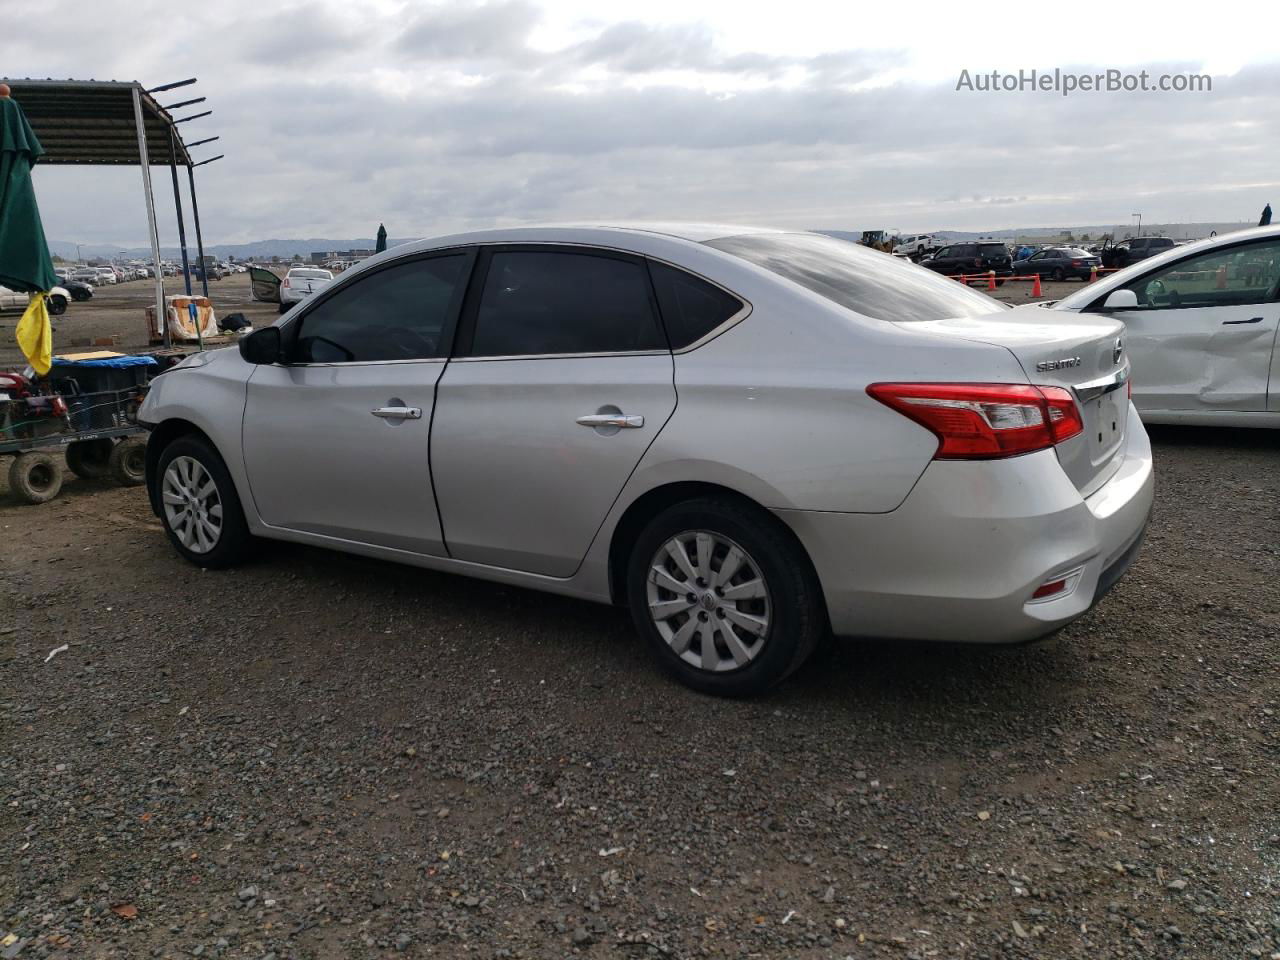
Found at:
(336, 438)
(1202, 335)
(561, 380)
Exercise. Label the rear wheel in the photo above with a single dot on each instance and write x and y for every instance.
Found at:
(1058, 274)
(35, 477)
(128, 461)
(726, 598)
(283, 307)
(57, 305)
(199, 506)
(89, 459)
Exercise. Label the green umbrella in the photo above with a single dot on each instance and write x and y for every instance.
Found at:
(382, 239)
(25, 264)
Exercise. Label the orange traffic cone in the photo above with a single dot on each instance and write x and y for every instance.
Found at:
(1035, 287)
(991, 279)
(1093, 273)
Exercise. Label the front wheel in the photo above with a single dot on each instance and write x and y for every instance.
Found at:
(725, 596)
(199, 506)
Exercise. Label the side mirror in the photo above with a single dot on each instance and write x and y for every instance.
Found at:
(261, 346)
(1120, 300)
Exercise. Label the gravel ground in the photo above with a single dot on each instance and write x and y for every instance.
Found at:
(319, 756)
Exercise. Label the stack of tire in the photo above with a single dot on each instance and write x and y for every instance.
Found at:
(36, 476)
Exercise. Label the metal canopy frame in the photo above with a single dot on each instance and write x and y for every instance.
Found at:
(119, 123)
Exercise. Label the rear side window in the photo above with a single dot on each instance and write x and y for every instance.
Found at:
(691, 307)
(538, 302)
(401, 312)
(860, 279)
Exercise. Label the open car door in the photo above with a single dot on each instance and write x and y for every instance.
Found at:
(265, 285)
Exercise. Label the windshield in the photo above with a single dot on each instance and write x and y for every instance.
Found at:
(860, 279)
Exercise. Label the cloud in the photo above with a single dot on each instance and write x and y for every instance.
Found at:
(434, 117)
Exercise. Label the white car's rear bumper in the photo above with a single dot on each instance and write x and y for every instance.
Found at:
(961, 557)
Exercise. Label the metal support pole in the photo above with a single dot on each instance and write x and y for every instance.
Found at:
(144, 159)
(195, 213)
(177, 205)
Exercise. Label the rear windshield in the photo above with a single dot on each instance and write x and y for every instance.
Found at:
(1159, 242)
(311, 274)
(867, 281)
(994, 248)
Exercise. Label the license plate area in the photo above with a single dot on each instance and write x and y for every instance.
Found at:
(1105, 422)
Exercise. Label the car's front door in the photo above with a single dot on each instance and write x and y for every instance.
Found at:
(1202, 335)
(337, 437)
(264, 285)
(561, 380)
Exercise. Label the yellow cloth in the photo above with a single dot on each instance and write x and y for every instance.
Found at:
(35, 336)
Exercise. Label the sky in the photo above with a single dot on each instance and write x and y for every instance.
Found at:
(431, 117)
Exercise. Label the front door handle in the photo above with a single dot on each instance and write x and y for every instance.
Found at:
(611, 420)
(398, 413)
(1227, 323)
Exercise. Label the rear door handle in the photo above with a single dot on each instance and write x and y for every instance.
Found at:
(1227, 323)
(611, 420)
(398, 413)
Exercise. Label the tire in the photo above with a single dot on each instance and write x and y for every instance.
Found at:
(233, 541)
(128, 461)
(89, 459)
(35, 477)
(740, 661)
(283, 307)
(81, 295)
(57, 305)
(1058, 274)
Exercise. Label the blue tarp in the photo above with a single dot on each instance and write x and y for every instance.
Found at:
(115, 362)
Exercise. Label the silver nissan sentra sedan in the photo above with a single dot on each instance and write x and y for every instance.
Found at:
(752, 438)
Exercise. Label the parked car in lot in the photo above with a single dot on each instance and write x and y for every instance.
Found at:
(300, 283)
(1131, 251)
(974, 257)
(1201, 325)
(56, 300)
(1058, 263)
(78, 289)
(84, 275)
(859, 445)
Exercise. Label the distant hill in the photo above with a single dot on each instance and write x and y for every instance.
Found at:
(265, 249)
(257, 250)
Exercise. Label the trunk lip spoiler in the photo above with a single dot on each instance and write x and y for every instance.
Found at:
(1092, 389)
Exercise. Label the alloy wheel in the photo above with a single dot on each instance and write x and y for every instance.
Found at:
(192, 505)
(709, 601)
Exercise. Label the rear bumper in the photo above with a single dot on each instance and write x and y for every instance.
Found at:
(961, 557)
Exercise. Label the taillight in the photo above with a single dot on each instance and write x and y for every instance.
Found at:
(1076, 263)
(985, 421)
(286, 282)
(977, 261)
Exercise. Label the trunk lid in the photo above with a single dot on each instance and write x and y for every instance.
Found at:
(1083, 352)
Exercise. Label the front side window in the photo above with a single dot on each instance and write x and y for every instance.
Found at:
(858, 278)
(401, 312)
(539, 302)
(1225, 277)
